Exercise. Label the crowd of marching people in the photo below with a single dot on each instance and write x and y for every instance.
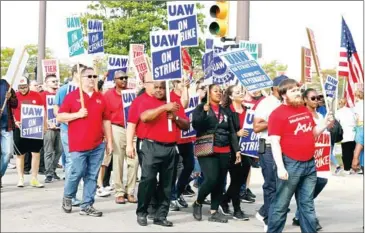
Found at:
(96, 148)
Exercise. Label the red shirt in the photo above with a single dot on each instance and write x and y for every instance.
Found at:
(241, 116)
(216, 149)
(31, 97)
(114, 105)
(85, 133)
(175, 98)
(295, 127)
(157, 130)
(134, 114)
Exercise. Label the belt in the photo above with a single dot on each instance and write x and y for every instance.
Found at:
(162, 143)
(118, 125)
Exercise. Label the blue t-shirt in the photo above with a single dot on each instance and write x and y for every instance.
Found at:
(322, 110)
(4, 116)
(360, 139)
(60, 97)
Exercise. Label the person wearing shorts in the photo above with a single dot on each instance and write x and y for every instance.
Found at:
(24, 145)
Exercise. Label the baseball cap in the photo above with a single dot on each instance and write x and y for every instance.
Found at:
(278, 80)
(23, 81)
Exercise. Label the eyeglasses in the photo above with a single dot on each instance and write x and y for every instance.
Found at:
(91, 76)
(122, 78)
(313, 98)
(23, 88)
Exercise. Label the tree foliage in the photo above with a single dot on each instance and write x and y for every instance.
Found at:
(273, 67)
(130, 22)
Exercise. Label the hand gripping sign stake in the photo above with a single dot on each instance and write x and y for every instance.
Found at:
(13, 79)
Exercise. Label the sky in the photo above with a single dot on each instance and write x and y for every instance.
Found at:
(280, 26)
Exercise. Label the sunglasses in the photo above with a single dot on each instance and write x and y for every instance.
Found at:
(122, 78)
(91, 76)
(23, 88)
(313, 98)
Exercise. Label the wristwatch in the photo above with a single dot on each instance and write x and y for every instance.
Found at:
(176, 118)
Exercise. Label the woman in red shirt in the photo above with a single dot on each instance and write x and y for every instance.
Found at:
(232, 102)
(211, 118)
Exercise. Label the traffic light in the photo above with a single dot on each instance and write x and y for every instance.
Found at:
(219, 11)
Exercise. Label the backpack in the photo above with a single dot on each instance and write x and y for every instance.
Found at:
(336, 133)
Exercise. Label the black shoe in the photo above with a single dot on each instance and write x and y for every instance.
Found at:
(26, 172)
(142, 221)
(206, 202)
(188, 192)
(67, 205)
(56, 177)
(151, 216)
(174, 206)
(225, 209)
(318, 227)
(163, 222)
(48, 179)
(250, 194)
(182, 203)
(246, 198)
(296, 222)
(197, 211)
(240, 215)
(91, 211)
(217, 217)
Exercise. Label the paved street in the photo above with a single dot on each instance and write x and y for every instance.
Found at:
(339, 208)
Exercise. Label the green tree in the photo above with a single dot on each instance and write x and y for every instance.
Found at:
(316, 83)
(130, 22)
(273, 67)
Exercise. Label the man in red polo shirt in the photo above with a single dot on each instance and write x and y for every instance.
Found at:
(158, 152)
(86, 129)
(115, 107)
(52, 144)
(292, 133)
(180, 95)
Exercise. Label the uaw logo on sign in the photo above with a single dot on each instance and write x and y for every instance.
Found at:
(166, 55)
(249, 145)
(330, 86)
(32, 121)
(127, 98)
(322, 154)
(193, 102)
(51, 118)
(74, 36)
(116, 63)
(95, 35)
(182, 17)
(221, 73)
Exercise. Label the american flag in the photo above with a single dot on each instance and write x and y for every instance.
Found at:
(349, 65)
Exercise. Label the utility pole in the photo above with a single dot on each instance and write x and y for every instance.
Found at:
(243, 21)
(41, 39)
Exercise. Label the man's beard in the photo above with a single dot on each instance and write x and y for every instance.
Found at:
(295, 102)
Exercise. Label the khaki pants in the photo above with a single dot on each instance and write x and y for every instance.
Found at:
(119, 155)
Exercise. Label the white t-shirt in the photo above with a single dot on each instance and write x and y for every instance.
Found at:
(264, 110)
(359, 111)
(347, 119)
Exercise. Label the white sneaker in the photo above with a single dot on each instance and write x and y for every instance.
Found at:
(101, 192)
(11, 166)
(259, 217)
(265, 228)
(109, 188)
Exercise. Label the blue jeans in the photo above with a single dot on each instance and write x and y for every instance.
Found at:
(302, 181)
(320, 184)
(268, 169)
(85, 165)
(6, 149)
(66, 151)
(333, 157)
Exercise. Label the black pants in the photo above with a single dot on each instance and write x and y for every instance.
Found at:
(108, 172)
(215, 170)
(347, 154)
(187, 153)
(156, 159)
(238, 173)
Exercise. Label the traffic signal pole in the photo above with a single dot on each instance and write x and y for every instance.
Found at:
(243, 21)
(41, 39)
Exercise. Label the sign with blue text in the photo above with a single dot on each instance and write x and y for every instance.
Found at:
(95, 35)
(32, 121)
(221, 73)
(166, 55)
(209, 43)
(51, 118)
(182, 16)
(207, 66)
(74, 36)
(252, 48)
(330, 86)
(127, 98)
(116, 63)
(247, 70)
(249, 145)
(193, 102)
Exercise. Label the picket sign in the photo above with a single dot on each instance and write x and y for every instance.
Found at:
(249, 146)
(127, 98)
(32, 121)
